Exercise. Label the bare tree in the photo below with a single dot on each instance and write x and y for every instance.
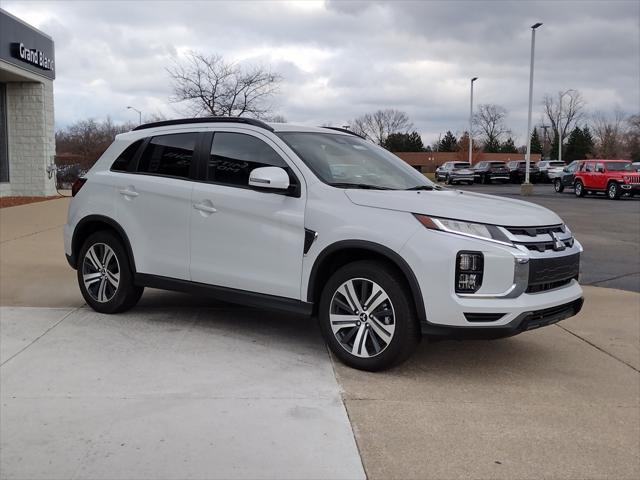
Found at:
(609, 133)
(489, 120)
(378, 125)
(563, 119)
(212, 86)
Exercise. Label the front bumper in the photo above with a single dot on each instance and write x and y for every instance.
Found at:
(510, 295)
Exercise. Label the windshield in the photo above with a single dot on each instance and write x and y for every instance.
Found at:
(347, 161)
(618, 166)
(497, 164)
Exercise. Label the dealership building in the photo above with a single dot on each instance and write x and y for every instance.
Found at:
(27, 139)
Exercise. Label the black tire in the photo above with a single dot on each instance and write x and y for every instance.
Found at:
(406, 332)
(116, 299)
(613, 191)
(579, 189)
(558, 186)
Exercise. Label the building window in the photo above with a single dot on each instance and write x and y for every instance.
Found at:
(4, 147)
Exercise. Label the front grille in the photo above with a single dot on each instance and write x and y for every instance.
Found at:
(553, 269)
(483, 317)
(543, 287)
(632, 179)
(544, 246)
(547, 316)
(535, 231)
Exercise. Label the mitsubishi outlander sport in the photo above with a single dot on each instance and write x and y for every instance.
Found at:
(320, 222)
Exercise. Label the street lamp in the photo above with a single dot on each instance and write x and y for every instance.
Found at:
(559, 124)
(139, 114)
(526, 188)
(471, 121)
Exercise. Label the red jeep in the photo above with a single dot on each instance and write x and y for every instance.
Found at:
(614, 177)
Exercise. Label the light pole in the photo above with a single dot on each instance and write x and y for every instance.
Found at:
(471, 122)
(559, 124)
(139, 114)
(527, 188)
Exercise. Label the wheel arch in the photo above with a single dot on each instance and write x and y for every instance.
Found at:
(346, 251)
(95, 223)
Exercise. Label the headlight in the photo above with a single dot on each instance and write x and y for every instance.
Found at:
(468, 229)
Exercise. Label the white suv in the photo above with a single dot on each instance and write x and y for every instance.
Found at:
(320, 222)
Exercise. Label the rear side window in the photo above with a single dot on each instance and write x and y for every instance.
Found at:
(235, 155)
(170, 155)
(124, 160)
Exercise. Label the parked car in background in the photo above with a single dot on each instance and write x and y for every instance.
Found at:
(490, 171)
(455, 172)
(253, 213)
(567, 177)
(614, 177)
(636, 166)
(517, 171)
(550, 169)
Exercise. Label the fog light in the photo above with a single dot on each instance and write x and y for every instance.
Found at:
(469, 270)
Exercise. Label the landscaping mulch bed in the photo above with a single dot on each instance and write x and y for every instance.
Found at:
(14, 201)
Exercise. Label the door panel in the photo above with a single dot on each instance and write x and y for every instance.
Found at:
(240, 237)
(253, 241)
(155, 214)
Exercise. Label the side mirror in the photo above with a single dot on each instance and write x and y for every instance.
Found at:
(272, 178)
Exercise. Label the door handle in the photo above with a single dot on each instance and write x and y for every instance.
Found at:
(129, 193)
(203, 207)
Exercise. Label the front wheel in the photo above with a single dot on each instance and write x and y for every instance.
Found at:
(104, 274)
(579, 189)
(613, 191)
(367, 317)
(557, 185)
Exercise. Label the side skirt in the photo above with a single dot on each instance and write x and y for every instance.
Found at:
(231, 295)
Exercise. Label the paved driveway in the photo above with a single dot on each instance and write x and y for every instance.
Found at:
(186, 387)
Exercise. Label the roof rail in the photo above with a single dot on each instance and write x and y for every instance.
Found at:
(345, 130)
(182, 121)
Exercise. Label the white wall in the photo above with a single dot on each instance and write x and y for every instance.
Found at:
(30, 128)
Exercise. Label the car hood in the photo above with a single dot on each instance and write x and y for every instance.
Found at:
(457, 204)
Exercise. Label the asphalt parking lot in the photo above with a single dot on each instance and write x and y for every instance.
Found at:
(186, 387)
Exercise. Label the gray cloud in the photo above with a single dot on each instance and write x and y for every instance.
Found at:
(341, 59)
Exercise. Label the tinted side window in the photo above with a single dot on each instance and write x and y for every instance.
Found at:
(170, 155)
(124, 160)
(235, 155)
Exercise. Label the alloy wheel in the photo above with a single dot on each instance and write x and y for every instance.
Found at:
(362, 317)
(101, 272)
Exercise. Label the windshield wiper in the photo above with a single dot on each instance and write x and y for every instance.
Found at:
(422, 187)
(364, 186)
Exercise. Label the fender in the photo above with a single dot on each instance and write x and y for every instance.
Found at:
(75, 247)
(386, 252)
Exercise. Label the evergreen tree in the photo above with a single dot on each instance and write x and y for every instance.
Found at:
(579, 144)
(404, 142)
(536, 145)
(449, 143)
(509, 146)
(492, 145)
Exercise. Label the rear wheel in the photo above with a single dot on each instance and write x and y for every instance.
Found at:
(579, 189)
(613, 191)
(557, 185)
(104, 274)
(367, 318)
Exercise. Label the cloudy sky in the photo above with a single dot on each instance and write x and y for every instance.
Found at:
(340, 59)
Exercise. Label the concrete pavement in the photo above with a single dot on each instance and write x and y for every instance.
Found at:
(186, 387)
(169, 393)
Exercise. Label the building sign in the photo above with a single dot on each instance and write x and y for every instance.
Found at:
(26, 47)
(31, 55)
